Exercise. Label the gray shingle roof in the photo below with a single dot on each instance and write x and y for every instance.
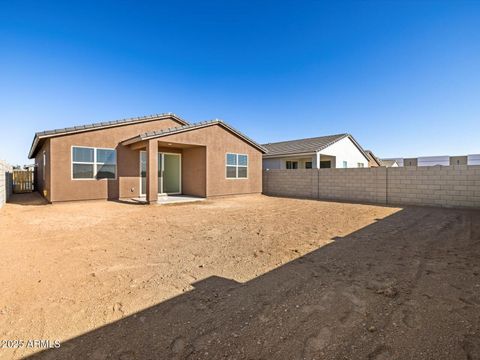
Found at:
(180, 129)
(107, 123)
(96, 126)
(300, 146)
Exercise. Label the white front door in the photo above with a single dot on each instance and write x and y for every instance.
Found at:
(169, 173)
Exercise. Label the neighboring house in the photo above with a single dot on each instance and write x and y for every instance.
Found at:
(150, 156)
(458, 160)
(410, 162)
(389, 163)
(334, 151)
(373, 161)
(394, 162)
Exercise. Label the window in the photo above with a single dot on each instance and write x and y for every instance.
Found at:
(325, 164)
(308, 165)
(360, 165)
(291, 164)
(345, 165)
(93, 163)
(236, 166)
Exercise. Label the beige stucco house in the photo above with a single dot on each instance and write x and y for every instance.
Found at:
(146, 156)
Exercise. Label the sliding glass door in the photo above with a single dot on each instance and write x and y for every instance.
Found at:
(169, 173)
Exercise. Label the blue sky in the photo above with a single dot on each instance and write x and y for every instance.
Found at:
(402, 76)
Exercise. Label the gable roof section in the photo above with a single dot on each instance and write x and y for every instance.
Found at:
(39, 136)
(306, 146)
(388, 163)
(190, 127)
(302, 145)
(372, 156)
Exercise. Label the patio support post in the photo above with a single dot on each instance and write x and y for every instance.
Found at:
(318, 159)
(152, 171)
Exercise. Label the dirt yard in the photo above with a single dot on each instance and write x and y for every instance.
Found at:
(249, 277)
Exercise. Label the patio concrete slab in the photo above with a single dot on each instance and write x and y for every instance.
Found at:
(171, 199)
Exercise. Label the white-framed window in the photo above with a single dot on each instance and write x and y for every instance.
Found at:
(360, 165)
(236, 166)
(291, 164)
(345, 164)
(93, 163)
(308, 164)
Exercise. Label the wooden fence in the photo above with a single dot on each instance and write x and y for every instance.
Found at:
(22, 181)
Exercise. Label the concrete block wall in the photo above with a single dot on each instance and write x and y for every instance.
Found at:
(5, 182)
(299, 183)
(446, 186)
(361, 184)
(449, 186)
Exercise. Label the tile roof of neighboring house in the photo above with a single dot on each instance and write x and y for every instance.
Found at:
(189, 127)
(96, 126)
(309, 145)
(388, 163)
(372, 156)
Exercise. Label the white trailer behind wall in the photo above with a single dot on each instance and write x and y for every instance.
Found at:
(473, 159)
(433, 160)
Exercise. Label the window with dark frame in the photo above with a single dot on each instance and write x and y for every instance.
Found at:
(291, 164)
(325, 164)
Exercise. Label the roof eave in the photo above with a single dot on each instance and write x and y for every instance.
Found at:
(271, 156)
(33, 147)
(357, 145)
(54, 133)
(146, 136)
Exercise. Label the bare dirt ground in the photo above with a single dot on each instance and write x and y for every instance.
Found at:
(249, 277)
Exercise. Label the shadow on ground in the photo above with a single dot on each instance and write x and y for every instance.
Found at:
(406, 287)
(27, 199)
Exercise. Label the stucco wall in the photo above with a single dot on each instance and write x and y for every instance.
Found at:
(218, 142)
(345, 150)
(203, 166)
(272, 163)
(194, 171)
(127, 184)
(41, 176)
(458, 160)
(446, 186)
(5, 182)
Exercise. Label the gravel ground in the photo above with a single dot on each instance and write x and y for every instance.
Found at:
(250, 277)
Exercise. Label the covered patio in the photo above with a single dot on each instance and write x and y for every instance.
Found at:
(170, 172)
(200, 160)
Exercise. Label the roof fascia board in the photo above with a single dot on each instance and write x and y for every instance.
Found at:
(38, 137)
(195, 127)
(266, 156)
(352, 139)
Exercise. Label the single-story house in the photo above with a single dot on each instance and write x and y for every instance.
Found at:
(146, 156)
(389, 163)
(373, 161)
(333, 151)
